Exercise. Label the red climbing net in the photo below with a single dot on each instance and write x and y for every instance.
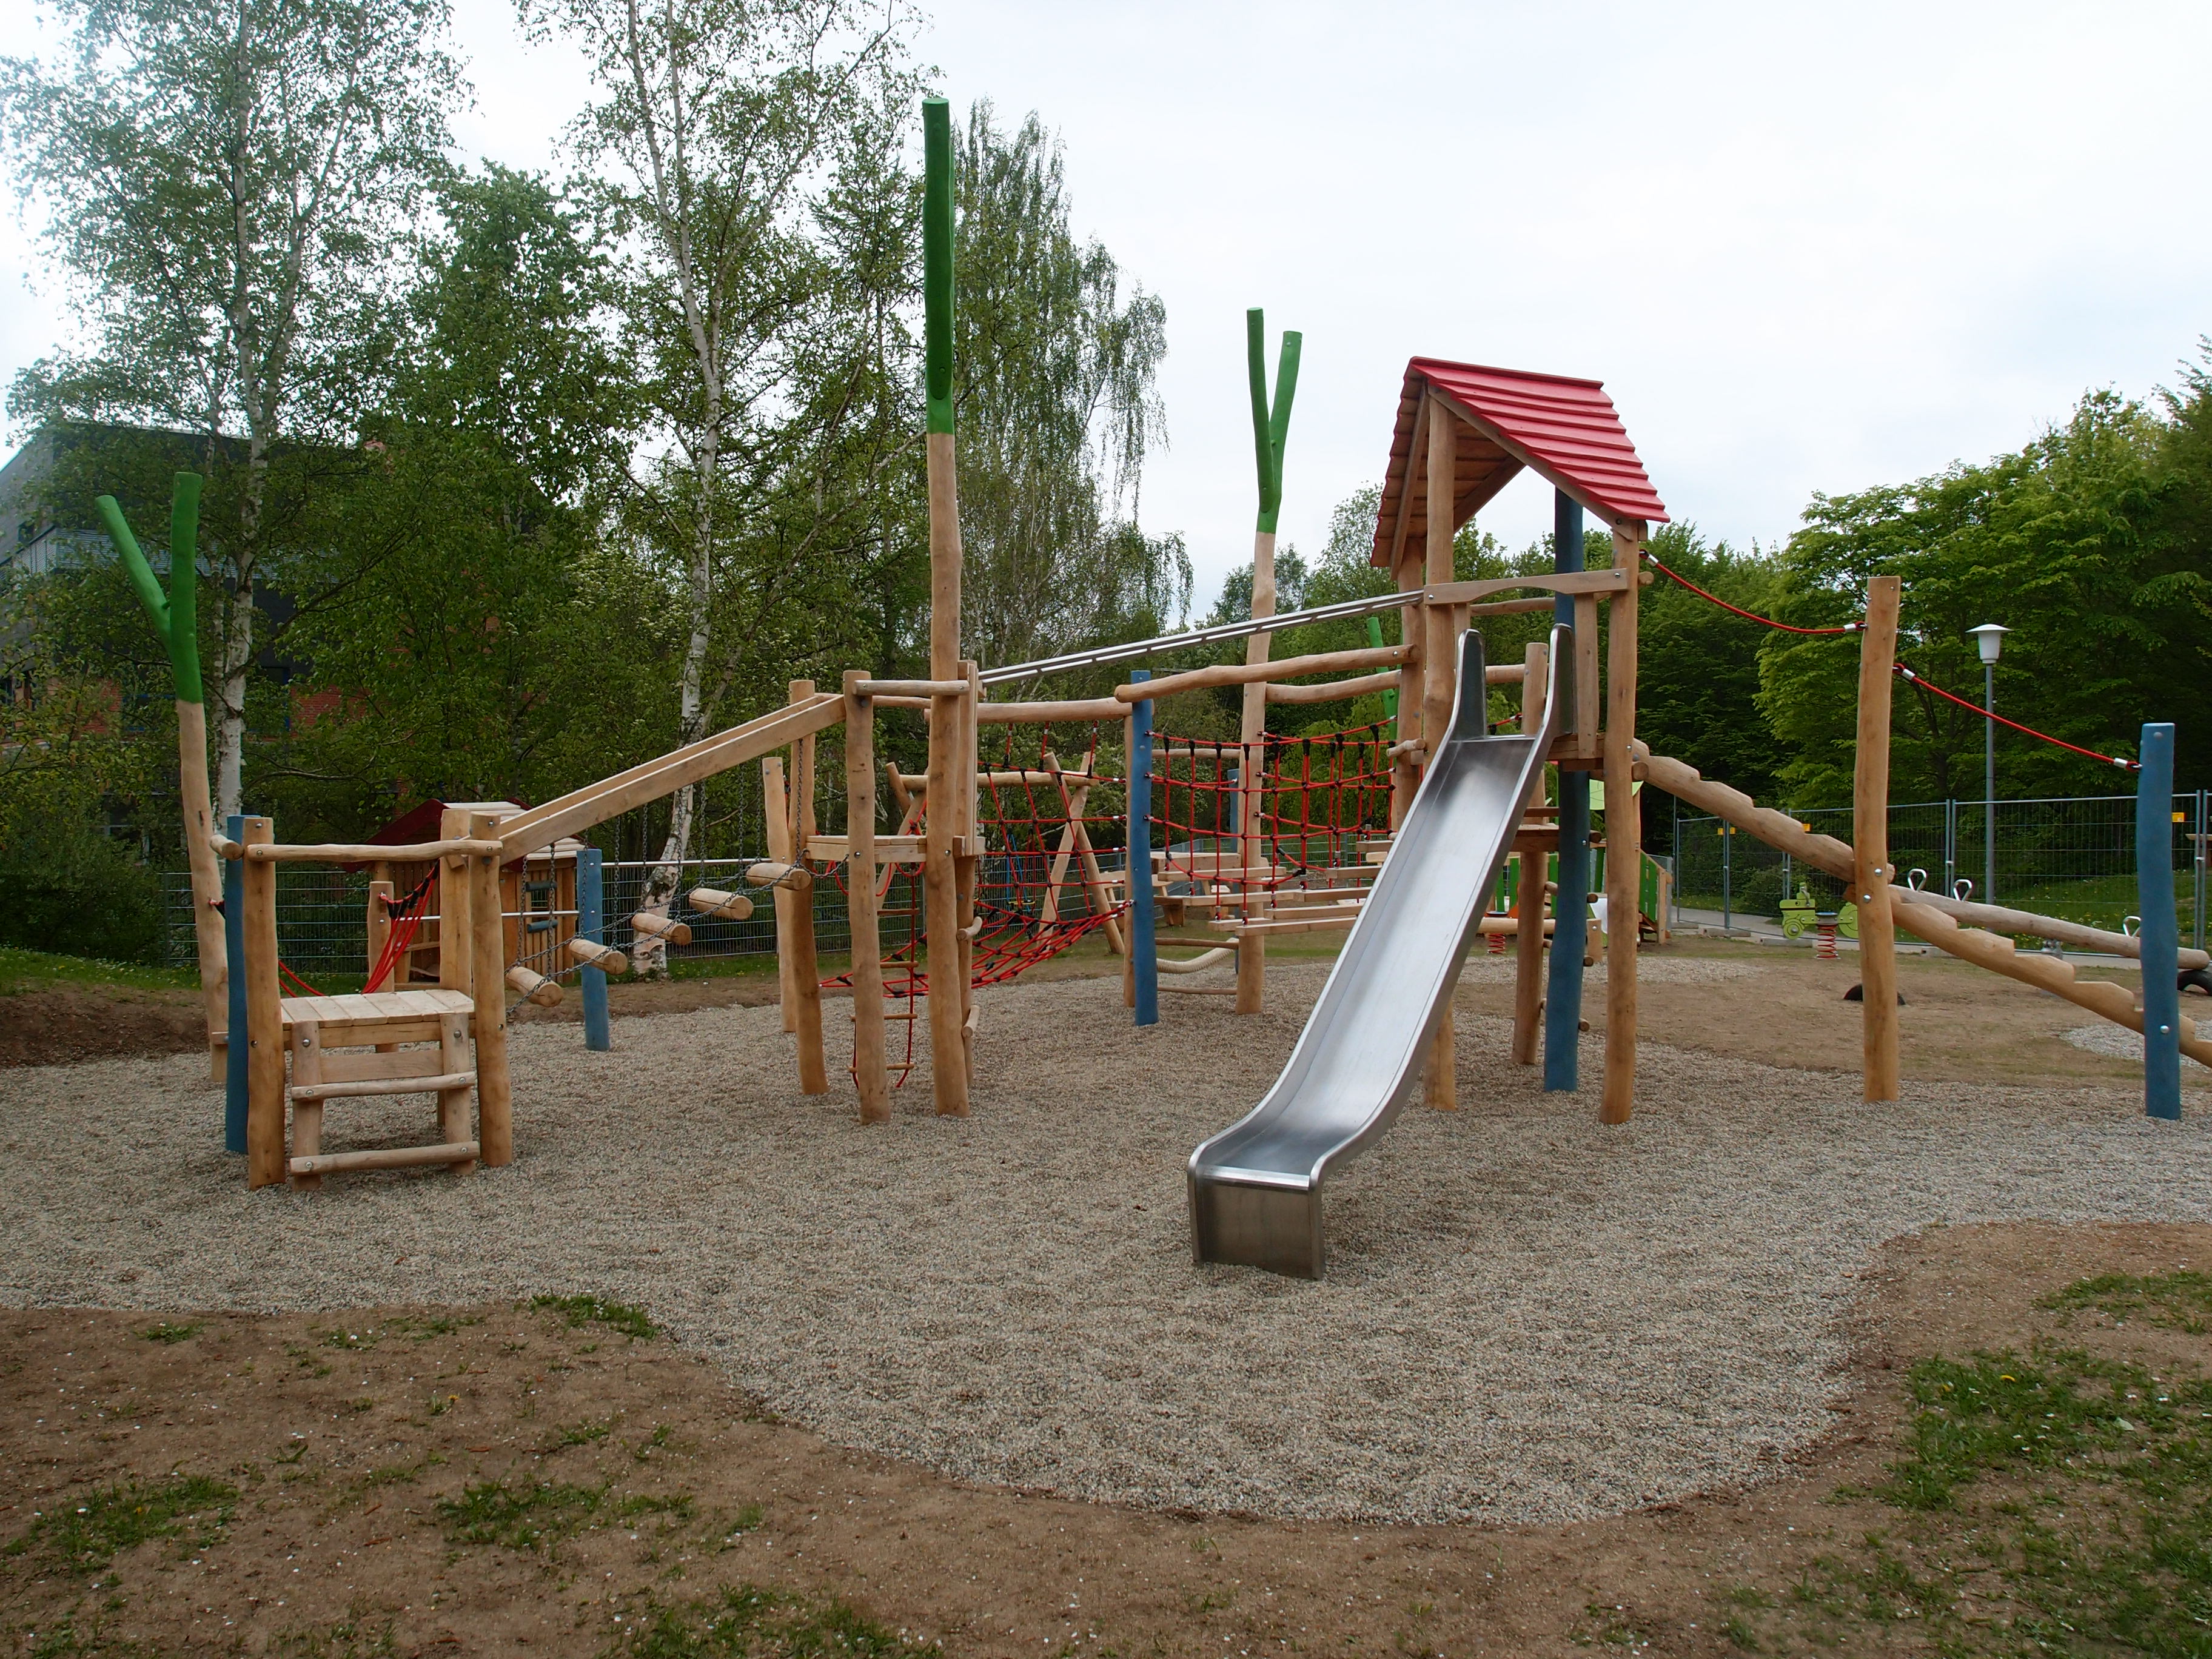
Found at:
(1052, 821)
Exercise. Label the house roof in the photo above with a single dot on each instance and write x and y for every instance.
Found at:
(1565, 430)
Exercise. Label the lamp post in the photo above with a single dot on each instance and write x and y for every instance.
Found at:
(1989, 637)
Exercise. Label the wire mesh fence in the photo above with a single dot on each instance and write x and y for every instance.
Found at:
(2073, 857)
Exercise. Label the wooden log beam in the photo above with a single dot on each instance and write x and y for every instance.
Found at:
(1333, 690)
(580, 809)
(675, 933)
(923, 689)
(486, 933)
(1046, 714)
(388, 1085)
(387, 1157)
(714, 902)
(1616, 580)
(1238, 673)
(2047, 973)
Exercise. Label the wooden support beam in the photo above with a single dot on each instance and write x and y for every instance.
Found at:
(1624, 829)
(364, 1087)
(576, 811)
(1534, 879)
(1440, 657)
(458, 1153)
(1883, 1077)
(870, 1076)
(265, 1017)
(495, 1086)
(1231, 673)
(1333, 690)
(357, 851)
(1080, 710)
(806, 970)
(1577, 582)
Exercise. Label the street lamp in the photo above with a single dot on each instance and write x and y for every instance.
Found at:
(1989, 637)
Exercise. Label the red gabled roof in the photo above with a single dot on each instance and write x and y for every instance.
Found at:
(1564, 428)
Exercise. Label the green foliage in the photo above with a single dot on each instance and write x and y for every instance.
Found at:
(1054, 378)
(522, 1517)
(2087, 544)
(70, 888)
(749, 1622)
(85, 1537)
(582, 1310)
(1995, 1411)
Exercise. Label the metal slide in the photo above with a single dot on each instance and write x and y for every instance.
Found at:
(1255, 1188)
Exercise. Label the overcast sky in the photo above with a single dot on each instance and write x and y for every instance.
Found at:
(1806, 248)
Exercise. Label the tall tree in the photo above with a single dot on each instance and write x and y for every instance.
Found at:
(229, 186)
(720, 129)
(1055, 377)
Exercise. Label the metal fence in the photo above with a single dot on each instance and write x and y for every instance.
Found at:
(322, 913)
(2073, 857)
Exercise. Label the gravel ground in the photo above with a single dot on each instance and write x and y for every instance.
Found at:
(1530, 1317)
(2114, 1040)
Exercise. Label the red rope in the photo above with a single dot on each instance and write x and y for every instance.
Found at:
(298, 984)
(2029, 731)
(1749, 616)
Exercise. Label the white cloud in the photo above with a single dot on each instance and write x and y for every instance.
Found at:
(1805, 248)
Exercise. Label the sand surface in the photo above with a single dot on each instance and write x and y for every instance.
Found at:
(1530, 1316)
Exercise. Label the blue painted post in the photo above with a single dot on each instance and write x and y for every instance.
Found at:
(591, 924)
(1143, 953)
(234, 953)
(2160, 930)
(1563, 994)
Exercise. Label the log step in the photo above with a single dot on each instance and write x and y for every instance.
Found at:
(387, 1157)
(435, 1083)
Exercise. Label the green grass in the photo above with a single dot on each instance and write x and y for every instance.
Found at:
(521, 1518)
(85, 1537)
(752, 1623)
(582, 1310)
(2178, 1301)
(163, 1332)
(2055, 1502)
(40, 970)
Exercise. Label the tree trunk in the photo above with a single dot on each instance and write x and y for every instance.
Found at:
(650, 959)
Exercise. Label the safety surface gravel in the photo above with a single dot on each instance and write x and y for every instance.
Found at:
(1530, 1316)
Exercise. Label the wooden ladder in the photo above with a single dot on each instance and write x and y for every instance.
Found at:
(319, 1033)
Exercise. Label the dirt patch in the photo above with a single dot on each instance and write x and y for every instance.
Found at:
(500, 1480)
(67, 1023)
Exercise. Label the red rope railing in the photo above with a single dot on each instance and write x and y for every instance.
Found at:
(1748, 615)
(1923, 681)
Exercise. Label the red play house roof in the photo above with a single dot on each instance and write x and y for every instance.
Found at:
(1565, 430)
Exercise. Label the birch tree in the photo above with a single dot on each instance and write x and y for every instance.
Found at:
(228, 186)
(720, 129)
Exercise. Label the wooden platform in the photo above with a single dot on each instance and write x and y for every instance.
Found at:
(379, 1016)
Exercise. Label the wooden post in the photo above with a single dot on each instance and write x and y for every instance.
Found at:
(1624, 834)
(494, 1088)
(868, 1073)
(1529, 940)
(456, 953)
(776, 802)
(454, 1103)
(380, 929)
(1870, 843)
(967, 865)
(806, 970)
(1441, 669)
(1252, 952)
(306, 1139)
(207, 879)
(940, 906)
(264, 1017)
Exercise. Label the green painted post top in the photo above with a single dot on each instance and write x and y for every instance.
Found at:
(937, 260)
(176, 614)
(1270, 429)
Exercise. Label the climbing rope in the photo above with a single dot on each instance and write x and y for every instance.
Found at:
(406, 918)
(1926, 683)
(1749, 616)
(1916, 680)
